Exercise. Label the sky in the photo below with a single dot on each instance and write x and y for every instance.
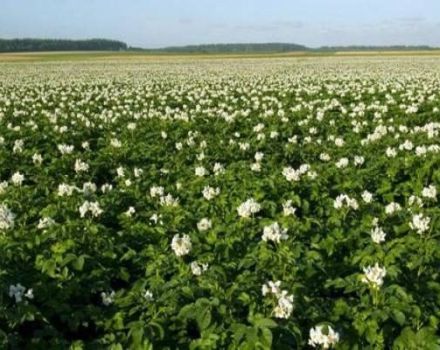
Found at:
(159, 23)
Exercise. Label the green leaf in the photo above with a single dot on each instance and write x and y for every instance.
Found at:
(203, 317)
(398, 316)
(78, 263)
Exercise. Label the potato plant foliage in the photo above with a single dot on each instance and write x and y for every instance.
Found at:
(220, 204)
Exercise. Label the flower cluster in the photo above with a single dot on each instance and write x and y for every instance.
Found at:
(344, 200)
(181, 245)
(248, 208)
(420, 223)
(6, 218)
(377, 234)
(374, 275)
(292, 174)
(90, 207)
(324, 337)
(274, 233)
(284, 307)
(18, 292)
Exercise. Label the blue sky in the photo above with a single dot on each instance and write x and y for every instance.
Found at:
(157, 23)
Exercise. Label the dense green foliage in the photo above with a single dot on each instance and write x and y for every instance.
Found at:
(29, 45)
(151, 206)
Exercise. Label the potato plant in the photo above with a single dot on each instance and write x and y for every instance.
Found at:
(220, 204)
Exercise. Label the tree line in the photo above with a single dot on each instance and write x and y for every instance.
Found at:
(234, 48)
(26, 45)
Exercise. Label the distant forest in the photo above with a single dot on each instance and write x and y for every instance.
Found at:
(233, 48)
(375, 48)
(274, 48)
(27, 45)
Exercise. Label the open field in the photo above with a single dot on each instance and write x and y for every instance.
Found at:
(103, 55)
(220, 202)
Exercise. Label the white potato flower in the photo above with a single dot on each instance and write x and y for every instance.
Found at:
(18, 292)
(344, 200)
(120, 171)
(45, 222)
(359, 160)
(201, 156)
(274, 233)
(244, 146)
(18, 146)
(367, 197)
(201, 171)
(414, 200)
(137, 172)
(391, 152)
(284, 307)
(65, 190)
(339, 142)
(392, 208)
(218, 169)
(406, 146)
(325, 157)
(274, 134)
(291, 174)
(148, 295)
(168, 201)
(106, 188)
(130, 211)
(156, 191)
(304, 168)
(3, 186)
(17, 178)
(429, 192)
(108, 298)
(92, 207)
(259, 127)
(374, 275)
(81, 166)
(37, 159)
(319, 338)
(204, 224)
(7, 218)
(197, 269)
(248, 208)
(210, 192)
(88, 188)
(256, 167)
(156, 218)
(181, 245)
(420, 223)
(259, 156)
(65, 149)
(377, 235)
(115, 143)
(288, 209)
(421, 151)
(342, 163)
(271, 288)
